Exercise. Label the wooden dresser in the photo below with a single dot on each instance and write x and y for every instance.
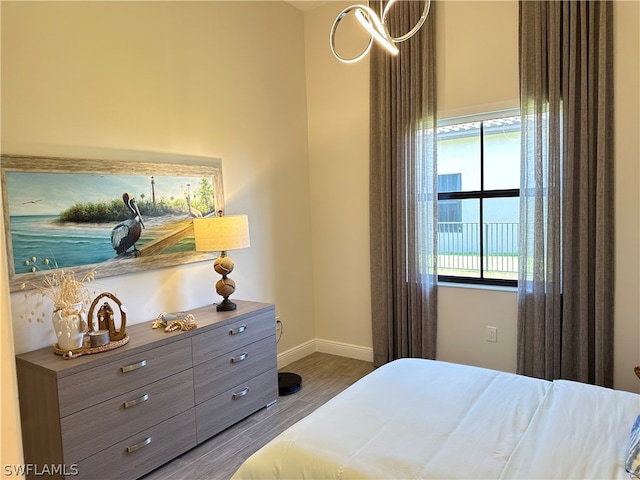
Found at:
(124, 412)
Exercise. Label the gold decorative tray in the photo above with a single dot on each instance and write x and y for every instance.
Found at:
(90, 350)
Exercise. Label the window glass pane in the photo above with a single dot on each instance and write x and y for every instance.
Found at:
(502, 153)
(500, 237)
(459, 240)
(459, 154)
(449, 182)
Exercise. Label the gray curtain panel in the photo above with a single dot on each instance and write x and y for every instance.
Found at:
(565, 283)
(403, 202)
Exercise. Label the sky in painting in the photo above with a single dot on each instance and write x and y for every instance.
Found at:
(37, 193)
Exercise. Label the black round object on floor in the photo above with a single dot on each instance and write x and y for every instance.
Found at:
(288, 383)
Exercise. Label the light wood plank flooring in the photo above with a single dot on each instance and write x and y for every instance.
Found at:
(323, 376)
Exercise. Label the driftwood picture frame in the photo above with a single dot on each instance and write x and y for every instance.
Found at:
(62, 212)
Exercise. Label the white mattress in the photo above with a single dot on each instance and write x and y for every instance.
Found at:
(411, 419)
(425, 419)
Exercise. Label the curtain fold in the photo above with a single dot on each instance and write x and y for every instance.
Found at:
(403, 206)
(565, 284)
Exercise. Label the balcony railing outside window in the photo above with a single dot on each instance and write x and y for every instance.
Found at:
(459, 250)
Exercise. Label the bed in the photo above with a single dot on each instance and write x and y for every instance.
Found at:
(415, 418)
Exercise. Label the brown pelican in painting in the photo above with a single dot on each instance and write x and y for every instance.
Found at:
(126, 234)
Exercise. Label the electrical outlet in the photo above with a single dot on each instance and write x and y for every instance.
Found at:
(492, 334)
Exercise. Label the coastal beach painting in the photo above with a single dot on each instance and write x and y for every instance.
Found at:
(111, 217)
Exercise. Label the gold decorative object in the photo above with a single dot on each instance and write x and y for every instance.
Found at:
(105, 336)
(105, 317)
(175, 321)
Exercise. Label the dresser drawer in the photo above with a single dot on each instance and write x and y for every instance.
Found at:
(224, 410)
(233, 336)
(143, 452)
(95, 385)
(222, 373)
(91, 430)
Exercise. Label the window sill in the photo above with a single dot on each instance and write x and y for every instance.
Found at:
(476, 286)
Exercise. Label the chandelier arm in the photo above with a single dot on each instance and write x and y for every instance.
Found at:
(332, 35)
(370, 21)
(414, 30)
(376, 27)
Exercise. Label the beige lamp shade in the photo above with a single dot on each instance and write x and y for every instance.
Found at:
(219, 234)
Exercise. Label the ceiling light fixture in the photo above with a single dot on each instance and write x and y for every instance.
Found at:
(376, 27)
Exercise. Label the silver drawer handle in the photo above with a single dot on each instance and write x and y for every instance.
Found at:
(239, 358)
(240, 329)
(144, 443)
(241, 393)
(131, 403)
(134, 366)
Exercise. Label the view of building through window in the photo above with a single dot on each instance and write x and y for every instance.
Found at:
(478, 200)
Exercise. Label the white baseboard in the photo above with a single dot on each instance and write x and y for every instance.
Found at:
(344, 350)
(296, 353)
(325, 346)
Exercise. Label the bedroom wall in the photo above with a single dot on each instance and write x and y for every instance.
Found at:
(161, 80)
(477, 71)
(338, 116)
(11, 444)
(626, 38)
(166, 80)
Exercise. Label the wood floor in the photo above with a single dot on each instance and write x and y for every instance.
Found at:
(323, 376)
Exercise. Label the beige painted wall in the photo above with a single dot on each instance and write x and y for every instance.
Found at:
(477, 72)
(626, 37)
(123, 80)
(338, 96)
(10, 435)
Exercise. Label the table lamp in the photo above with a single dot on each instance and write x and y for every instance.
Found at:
(221, 234)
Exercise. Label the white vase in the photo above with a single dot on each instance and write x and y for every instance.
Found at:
(69, 328)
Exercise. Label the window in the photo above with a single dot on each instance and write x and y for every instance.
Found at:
(478, 199)
(449, 211)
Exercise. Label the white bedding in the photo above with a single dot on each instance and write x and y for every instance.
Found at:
(417, 418)
(579, 431)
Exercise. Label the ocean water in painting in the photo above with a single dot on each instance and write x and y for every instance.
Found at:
(44, 236)
(36, 200)
(65, 243)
